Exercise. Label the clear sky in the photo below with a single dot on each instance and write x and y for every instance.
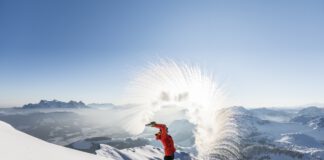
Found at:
(265, 53)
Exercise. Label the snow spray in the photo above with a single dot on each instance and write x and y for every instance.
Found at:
(168, 83)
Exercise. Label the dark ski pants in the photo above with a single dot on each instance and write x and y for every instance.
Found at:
(169, 157)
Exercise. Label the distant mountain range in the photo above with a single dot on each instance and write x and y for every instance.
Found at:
(43, 104)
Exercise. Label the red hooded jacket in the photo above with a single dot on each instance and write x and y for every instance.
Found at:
(166, 140)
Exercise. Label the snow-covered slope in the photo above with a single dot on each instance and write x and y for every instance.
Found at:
(16, 145)
(137, 153)
(147, 152)
(300, 137)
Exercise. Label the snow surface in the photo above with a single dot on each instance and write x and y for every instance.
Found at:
(16, 145)
(285, 140)
(299, 139)
(138, 153)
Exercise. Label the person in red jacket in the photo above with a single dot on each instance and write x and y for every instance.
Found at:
(166, 140)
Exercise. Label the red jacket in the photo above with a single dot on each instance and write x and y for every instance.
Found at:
(166, 140)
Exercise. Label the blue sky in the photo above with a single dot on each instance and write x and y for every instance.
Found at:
(265, 53)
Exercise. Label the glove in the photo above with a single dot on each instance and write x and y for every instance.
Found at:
(151, 124)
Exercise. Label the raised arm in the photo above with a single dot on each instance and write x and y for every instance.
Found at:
(163, 129)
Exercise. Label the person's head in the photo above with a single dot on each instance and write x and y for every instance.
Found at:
(158, 135)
